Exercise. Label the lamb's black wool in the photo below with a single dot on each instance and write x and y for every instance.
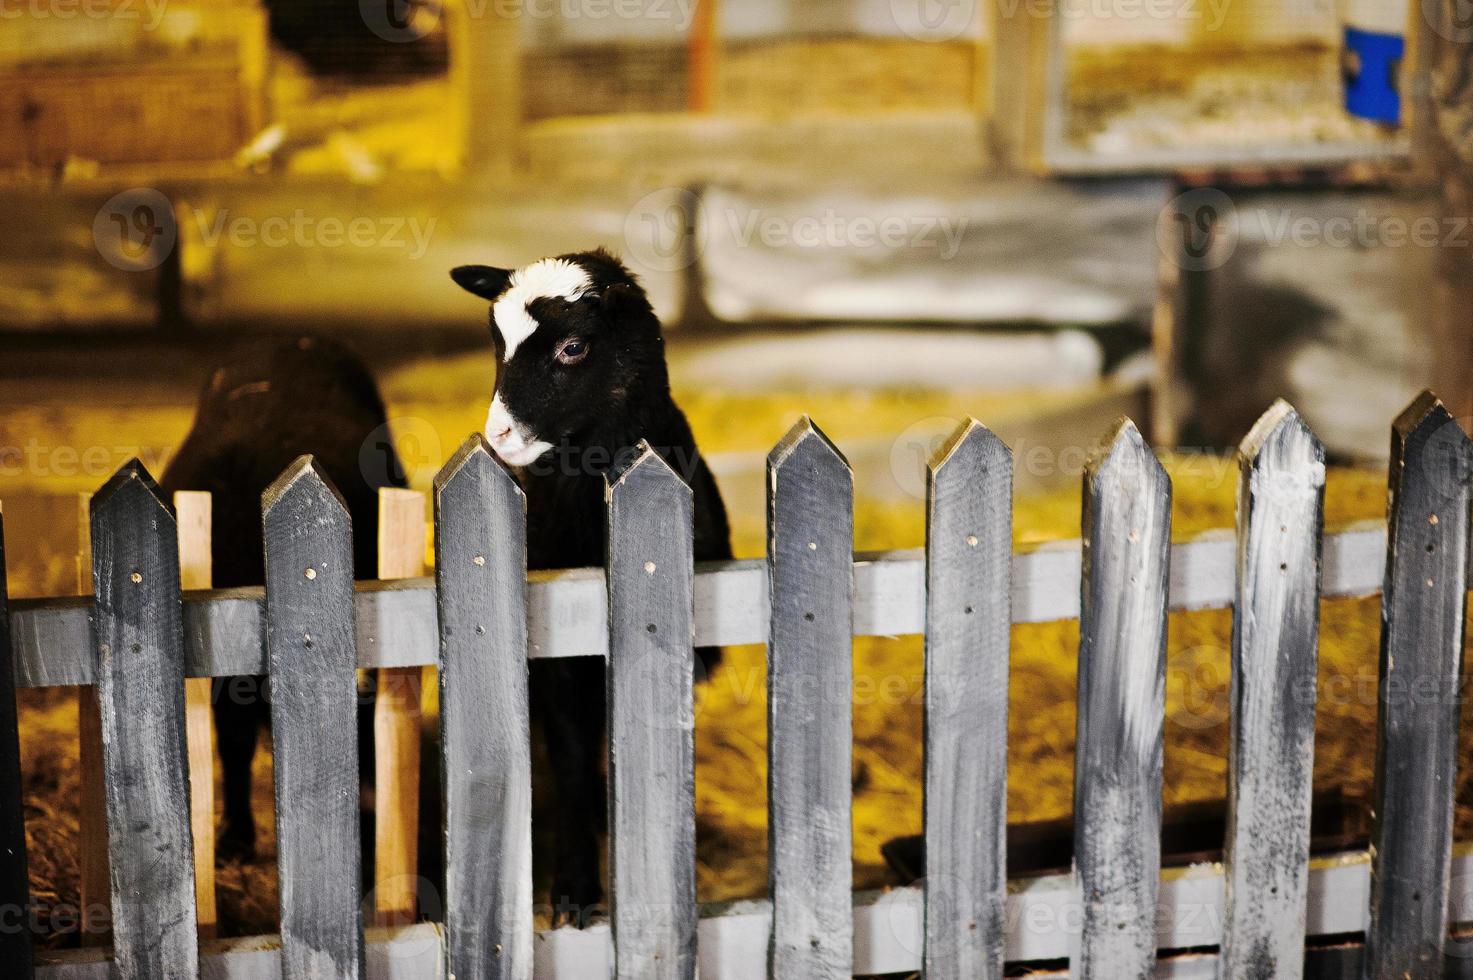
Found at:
(270, 402)
(581, 379)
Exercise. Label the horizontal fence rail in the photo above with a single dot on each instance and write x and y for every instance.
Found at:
(567, 611)
(1115, 914)
(888, 930)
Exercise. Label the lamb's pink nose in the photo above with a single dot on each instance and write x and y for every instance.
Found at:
(501, 434)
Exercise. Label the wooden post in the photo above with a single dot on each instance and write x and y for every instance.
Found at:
(139, 636)
(93, 884)
(1271, 750)
(1024, 107)
(196, 571)
(810, 668)
(481, 587)
(1442, 46)
(396, 725)
(314, 727)
(486, 75)
(652, 752)
(1167, 322)
(15, 890)
(703, 49)
(1422, 617)
(969, 550)
(1122, 688)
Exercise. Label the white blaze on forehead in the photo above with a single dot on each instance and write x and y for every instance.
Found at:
(556, 278)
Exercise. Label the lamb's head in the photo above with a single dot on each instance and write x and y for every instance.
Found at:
(576, 345)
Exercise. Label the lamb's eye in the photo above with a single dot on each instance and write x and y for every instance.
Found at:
(572, 352)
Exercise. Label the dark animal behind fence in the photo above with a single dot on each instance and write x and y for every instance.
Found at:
(581, 379)
(269, 403)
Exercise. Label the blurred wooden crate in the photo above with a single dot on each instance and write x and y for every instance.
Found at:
(130, 83)
(1092, 90)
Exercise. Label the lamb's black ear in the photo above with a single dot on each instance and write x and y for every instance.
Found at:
(481, 280)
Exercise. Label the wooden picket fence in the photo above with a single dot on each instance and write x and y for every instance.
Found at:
(1267, 910)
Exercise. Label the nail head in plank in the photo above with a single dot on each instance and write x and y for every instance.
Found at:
(1422, 617)
(1122, 682)
(968, 564)
(140, 693)
(314, 725)
(810, 545)
(1274, 656)
(481, 571)
(652, 824)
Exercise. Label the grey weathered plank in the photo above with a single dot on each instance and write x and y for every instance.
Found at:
(1422, 615)
(481, 571)
(314, 727)
(1122, 683)
(968, 565)
(652, 776)
(1274, 655)
(15, 891)
(140, 693)
(810, 544)
(567, 610)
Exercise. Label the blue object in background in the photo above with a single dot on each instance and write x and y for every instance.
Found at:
(1371, 63)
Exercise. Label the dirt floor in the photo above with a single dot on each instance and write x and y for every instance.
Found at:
(435, 406)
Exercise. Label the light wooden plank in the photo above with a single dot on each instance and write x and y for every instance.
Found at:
(810, 549)
(568, 609)
(193, 511)
(404, 953)
(314, 692)
(969, 535)
(1274, 656)
(887, 929)
(140, 690)
(1422, 616)
(94, 888)
(15, 891)
(396, 725)
(652, 793)
(1122, 684)
(481, 568)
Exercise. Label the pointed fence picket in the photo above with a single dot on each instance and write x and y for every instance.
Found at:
(481, 578)
(1122, 691)
(482, 616)
(1422, 616)
(810, 554)
(969, 546)
(652, 776)
(1271, 741)
(314, 724)
(140, 691)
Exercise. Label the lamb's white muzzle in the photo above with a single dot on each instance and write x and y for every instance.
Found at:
(510, 438)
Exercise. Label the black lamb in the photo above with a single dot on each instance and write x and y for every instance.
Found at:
(270, 402)
(581, 379)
